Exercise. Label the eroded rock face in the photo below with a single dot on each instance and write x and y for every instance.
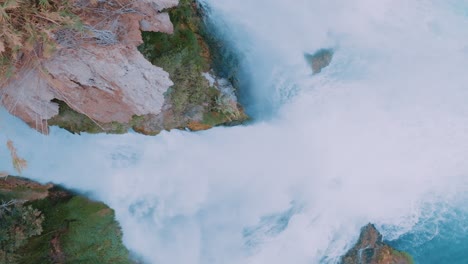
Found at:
(99, 73)
(98, 81)
(111, 85)
(370, 249)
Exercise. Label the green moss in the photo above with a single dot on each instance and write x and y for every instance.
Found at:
(18, 223)
(190, 87)
(185, 55)
(76, 123)
(74, 228)
(92, 225)
(85, 231)
(214, 118)
(73, 121)
(184, 45)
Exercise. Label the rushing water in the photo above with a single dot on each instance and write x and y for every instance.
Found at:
(380, 136)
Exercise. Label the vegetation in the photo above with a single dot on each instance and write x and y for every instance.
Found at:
(18, 223)
(185, 55)
(180, 54)
(75, 122)
(45, 224)
(73, 226)
(26, 30)
(18, 163)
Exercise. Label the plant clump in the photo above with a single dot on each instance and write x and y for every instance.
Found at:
(27, 30)
(18, 222)
(48, 224)
(76, 122)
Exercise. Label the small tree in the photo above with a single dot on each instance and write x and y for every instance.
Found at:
(17, 223)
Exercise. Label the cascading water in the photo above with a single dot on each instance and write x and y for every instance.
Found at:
(380, 136)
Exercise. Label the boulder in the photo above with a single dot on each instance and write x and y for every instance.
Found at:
(319, 60)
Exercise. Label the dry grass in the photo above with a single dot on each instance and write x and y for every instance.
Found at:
(18, 163)
(26, 29)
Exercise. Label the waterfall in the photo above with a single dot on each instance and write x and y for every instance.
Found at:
(380, 135)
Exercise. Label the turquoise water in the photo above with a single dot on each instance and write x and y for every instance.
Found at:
(441, 240)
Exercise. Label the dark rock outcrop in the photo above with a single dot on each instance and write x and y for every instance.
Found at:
(370, 249)
(319, 60)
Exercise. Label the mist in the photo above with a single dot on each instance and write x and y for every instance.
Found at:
(381, 136)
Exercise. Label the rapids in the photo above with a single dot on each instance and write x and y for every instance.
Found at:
(381, 136)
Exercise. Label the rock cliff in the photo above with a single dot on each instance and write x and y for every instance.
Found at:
(97, 80)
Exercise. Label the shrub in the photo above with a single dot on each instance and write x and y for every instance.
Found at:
(17, 223)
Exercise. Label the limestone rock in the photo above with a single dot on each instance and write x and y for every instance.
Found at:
(103, 80)
(108, 85)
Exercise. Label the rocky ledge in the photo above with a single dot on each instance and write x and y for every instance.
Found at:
(370, 249)
(48, 224)
(97, 80)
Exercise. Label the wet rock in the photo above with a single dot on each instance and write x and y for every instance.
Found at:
(370, 249)
(319, 60)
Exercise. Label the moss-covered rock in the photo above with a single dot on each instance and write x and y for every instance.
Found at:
(187, 58)
(370, 249)
(74, 229)
(76, 122)
(194, 101)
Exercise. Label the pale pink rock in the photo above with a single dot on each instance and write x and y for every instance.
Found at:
(105, 83)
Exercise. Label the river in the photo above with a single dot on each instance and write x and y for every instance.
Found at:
(381, 136)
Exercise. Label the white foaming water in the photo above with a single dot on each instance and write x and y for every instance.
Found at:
(379, 136)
